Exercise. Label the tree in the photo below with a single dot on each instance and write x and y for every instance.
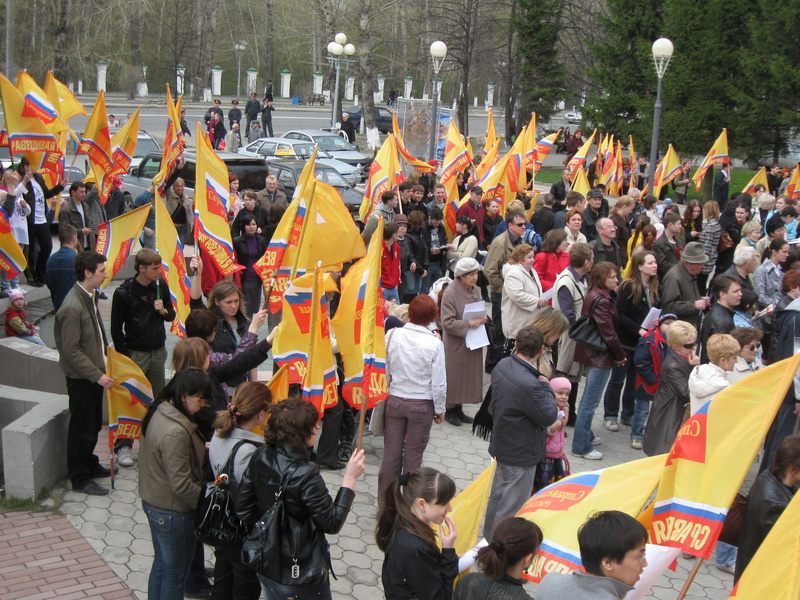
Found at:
(623, 71)
(537, 25)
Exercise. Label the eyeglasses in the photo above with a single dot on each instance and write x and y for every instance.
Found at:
(643, 557)
(690, 346)
(753, 347)
(522, 224)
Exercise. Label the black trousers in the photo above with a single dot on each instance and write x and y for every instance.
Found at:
(85, 422)
(233, 580)
(328, 442)
(41, 233)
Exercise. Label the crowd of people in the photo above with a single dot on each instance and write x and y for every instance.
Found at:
(653, 307)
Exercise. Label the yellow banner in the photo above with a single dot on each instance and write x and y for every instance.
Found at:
(117, 238)
(173, 266)
(128, 399)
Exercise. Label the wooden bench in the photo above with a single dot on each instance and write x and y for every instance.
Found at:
(318, 98)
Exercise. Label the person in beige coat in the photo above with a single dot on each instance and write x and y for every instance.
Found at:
(522, 291)
(464, 367)
(171, 477)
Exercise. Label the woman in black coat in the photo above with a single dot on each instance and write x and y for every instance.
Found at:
(249, 248)
(309, 510)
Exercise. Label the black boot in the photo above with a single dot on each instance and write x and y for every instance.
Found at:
(451, 416)
(464, 418)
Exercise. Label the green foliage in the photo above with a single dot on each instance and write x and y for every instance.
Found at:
(624, 70)
(537, 25)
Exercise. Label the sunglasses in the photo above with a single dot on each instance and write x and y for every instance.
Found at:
(690, 346)
(753, 347)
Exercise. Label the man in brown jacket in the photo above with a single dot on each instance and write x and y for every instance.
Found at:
(81, 343)
(681, 295)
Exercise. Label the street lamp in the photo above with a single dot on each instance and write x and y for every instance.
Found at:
(662, 52)
(238, 47)
(336, 49)
(438, 52)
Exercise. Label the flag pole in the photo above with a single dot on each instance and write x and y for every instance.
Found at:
(362, 419)
(110, 444)
(687, 584)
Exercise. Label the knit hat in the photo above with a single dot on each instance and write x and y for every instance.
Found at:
(467, 265)
(667, 317)
(15, 294)
(400, 219)
(559, 383)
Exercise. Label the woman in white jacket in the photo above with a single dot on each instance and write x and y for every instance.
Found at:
(522, 291)
(465, 244)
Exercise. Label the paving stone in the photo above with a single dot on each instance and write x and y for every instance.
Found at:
(115, 554)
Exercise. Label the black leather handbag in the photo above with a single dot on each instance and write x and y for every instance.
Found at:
(216, 523)
(584, 331)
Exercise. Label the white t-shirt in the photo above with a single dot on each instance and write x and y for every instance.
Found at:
(39, 205)
(19, 222)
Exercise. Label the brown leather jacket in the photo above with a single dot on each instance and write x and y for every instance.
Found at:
(606, 317)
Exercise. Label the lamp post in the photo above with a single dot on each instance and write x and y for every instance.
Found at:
(336, 49)
(438, 52)
(238, 48)
(662, 52)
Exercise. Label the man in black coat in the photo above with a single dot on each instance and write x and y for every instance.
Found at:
(523, 407)
(251, 109)
(544, 219)
(728, 293)
(560, 189)
(234, 114)
(721, 186)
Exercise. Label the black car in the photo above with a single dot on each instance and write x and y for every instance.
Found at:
(288, 172)
(383, 117)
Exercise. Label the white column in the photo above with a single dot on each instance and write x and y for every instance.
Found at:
(286, 83)
(80, 87)
(216, 80)
(438, 84)
(102, 68)
(408, 84)
(379, 93)
(141, 87)
(349, 87)
(180, 72)
(252, 81)
(316, 83)
(490, 95)
(207, 95)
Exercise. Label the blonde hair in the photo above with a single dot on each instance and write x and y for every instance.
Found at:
(711, 210)
(190, 352)
(515, 206)
(722, 345)
(550, 322)
(680, 333)
(250, 399)
(400, 311)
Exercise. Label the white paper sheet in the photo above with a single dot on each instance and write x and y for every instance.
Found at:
(476, 337)
(474, 310)
(548, 295)
(651, 318)
(659, 559)
(467, 559)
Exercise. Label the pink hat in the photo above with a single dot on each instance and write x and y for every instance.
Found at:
(15, 294)
(559, 383)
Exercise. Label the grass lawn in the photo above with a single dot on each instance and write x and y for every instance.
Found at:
(739, 179)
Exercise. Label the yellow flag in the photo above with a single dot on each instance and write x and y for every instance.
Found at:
(711, 456)
(96, 141)
(668, 169)
(491, 136)
(488, 161)
(69, 105)
(774, 571)
(562, 507)
(529, 150)
(173, 143)
(382, 177)
(580, 183)
(38, 105)
(793, 191)
(543, 147)
(760, 177)
(210, 204)
(12, 259)
(27, 135)
(117, 238)
(455, 161)
(127, 400)
(717, 155)
(173, 266)
(358, 325)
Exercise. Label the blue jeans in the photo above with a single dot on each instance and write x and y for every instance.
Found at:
(641, 410)
(412, 282)
(622, 379)
(173, 546)
(391, 294)
(434, 273)
(726, 554)
(596, 381)
(8, 284)
(34, 339)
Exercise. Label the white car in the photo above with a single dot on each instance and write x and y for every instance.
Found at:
(334, 144)
(284, 148)
(573, 116)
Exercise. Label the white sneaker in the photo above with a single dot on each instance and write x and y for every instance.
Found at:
(611, 425)
(636, 444)
(593, 455)
(20, 290)
(596, 441)
(124, 458)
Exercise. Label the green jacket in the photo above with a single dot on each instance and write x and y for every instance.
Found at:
(171, 461)
(80, 350)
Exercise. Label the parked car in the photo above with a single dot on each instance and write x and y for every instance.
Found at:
(573, 116)
(252, 173)
(333, 144)
(145, 144)
(285, 148)
(383, 117)
(288, 172)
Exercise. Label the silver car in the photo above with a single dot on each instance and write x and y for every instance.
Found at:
(285, 148)
(333, 144)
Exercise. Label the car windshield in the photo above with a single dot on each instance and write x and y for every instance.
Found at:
(73, 174)
(331, 177)
(145, 146)
(303, 150)
(333, 143)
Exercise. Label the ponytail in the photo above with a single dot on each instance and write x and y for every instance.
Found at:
(512, 540)
(250, 399)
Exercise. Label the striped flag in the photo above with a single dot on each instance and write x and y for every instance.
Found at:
(173, 266)
(716, 156)
(117, 238)
(127, 400)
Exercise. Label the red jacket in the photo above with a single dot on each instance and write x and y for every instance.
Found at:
(548, 266)
(390, 266)
(468, 209)
(12, 313)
